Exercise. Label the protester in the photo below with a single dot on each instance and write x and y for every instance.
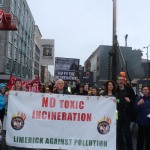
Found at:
(60, 87)
(109, 89)
(142, 106)
(90, 90)
(86, 88)
(94, 91)
(75, 89)
(47, 85)
(47, 90)
(18, 85)
(102, 89)
(54, 88)
(126, 97)
(2, 101)
(81, 91)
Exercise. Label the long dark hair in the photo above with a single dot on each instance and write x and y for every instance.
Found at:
(21, 89)
(106, 87)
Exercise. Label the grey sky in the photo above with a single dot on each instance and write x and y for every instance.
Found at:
(80, 26)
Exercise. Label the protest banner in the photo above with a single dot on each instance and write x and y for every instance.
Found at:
(51, 121)
(30, 86)
(67, 68)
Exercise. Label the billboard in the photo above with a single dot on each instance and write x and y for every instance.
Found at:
(47, 53)
(66, 68)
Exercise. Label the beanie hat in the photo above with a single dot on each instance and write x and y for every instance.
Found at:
(2, 85)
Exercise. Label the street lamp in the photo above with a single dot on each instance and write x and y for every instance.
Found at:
(147, 61)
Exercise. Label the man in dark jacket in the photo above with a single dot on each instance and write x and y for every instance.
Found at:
(126, 96)
(60, 87)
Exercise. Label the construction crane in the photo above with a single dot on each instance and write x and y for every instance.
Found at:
(7, 21)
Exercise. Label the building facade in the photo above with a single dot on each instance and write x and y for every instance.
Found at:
(100, 63)
(36, 52)
(47, 58)
(146, 65)
(16, 47)
(47, 52)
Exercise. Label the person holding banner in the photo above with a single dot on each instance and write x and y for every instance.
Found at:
(47, 90)
(94, 91)
(2, 101)
(81, 91)
(60, 87)
(110, 89)
(126, 96)
(18, 85)
(54, 88)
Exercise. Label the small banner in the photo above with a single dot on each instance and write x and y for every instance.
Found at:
(1, 16)
(51, 121)
(67, 68)
(30, 86)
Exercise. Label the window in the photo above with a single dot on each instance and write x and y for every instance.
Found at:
(18, 12)
(36, 65)
(23, 8)
(19, 57)
(22, 71)
(27, 51)
(15, 53)
(13, 6)
(22, 59)
(10, 36)
(19, 69)
(25, 60)
(1, 2)
(9, 50)
(37, 58)
(14, 68)
(15, 39)
(21, 18)
(19, 3)
(37, 50)
(8, 66)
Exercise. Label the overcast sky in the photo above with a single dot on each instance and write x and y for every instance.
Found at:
(80, 26)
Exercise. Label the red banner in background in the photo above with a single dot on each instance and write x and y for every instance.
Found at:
(29, 86)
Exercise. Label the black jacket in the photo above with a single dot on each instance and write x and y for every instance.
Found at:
(64, 92)
(126, 109)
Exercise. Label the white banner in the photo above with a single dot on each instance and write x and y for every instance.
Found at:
(51, 121)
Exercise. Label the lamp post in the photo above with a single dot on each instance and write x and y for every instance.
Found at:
(147, 61)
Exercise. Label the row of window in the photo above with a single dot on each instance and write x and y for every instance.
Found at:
(13, 37)
(18, 69)
(21, 11)
(20, 55)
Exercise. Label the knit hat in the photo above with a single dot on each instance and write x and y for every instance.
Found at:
(2, 85)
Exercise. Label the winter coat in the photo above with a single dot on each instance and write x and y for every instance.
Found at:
(125, 109)
(143, 111)
(2, 102)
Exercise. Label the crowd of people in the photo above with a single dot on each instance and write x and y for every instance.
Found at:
(130, 107)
